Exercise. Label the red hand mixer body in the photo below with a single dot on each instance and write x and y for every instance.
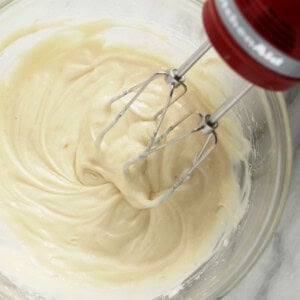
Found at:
(259, 39)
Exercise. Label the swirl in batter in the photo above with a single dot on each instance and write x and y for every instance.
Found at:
(69, 202)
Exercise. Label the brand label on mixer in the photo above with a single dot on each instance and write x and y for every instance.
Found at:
(260, 48)
(256, 46)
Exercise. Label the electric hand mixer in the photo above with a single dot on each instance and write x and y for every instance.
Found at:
(259, 39)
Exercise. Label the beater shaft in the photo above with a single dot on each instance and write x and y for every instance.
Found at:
(188, 64)
(228, 104)
(212, 120)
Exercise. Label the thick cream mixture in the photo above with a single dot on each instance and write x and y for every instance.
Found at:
(68, 202)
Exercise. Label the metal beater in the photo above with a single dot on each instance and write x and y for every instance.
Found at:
(174, 78)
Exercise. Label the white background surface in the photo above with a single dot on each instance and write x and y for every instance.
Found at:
(276, 275)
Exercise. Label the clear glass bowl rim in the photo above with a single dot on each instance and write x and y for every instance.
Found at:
(285, 155)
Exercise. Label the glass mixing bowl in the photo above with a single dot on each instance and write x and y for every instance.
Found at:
(262, 114)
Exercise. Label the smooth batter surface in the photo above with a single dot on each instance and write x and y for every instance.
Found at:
(68, 202)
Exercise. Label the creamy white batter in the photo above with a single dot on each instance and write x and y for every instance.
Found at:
(68, 203)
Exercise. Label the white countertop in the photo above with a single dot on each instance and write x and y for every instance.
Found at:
(276, 275)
